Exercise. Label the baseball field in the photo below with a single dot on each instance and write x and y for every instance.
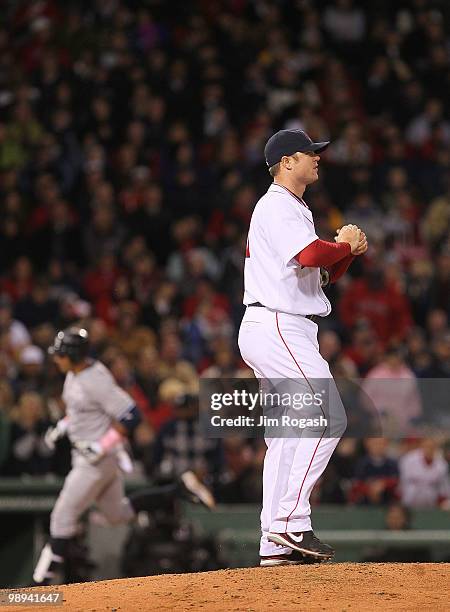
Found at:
(331, 587)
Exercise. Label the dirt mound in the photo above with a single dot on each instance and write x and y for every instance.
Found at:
(343, 587)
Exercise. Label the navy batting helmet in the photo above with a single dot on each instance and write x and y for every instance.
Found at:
(72, 342)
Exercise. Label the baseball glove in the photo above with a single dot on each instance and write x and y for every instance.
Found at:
(324, 277)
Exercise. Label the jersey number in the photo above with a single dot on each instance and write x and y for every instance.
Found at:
(247, 249)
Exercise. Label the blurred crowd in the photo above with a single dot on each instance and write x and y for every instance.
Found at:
(131, 156)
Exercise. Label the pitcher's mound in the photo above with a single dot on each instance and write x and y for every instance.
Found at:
(340, 586)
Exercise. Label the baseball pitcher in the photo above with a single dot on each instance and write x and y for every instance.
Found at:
(285, 267)
(99, 416)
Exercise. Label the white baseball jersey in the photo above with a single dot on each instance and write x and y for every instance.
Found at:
(93, 400)
(282, 226)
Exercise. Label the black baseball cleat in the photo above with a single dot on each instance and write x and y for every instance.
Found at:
(293, 558)
(195, 491)
(304, 542)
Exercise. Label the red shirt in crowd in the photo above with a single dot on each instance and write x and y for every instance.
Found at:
(385, 308)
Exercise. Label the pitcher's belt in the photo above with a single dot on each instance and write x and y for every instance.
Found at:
(259, 305)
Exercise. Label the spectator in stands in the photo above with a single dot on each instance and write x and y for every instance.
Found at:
(424, 477)
(172, 362)
(329, 489)
(59, 238)
(162, 304)
(345, 23)
(440, 358)
(28, 452)
(19, 282)
(364, 349)
(418, 288)
(98, 337)
(436, 323)
(169, 389)
(37, 307)
(129, 336)
(14, 334)
(31, 376)
(365, 213)
(440, 290)
(224, 361)
(241, 481)
(101, 278)
(436, 221)
(147, 372)
(376, 475)
(398, 518)
(6, 397)
(417, 352)
(330, 345)
(378, 302)
(392, 391)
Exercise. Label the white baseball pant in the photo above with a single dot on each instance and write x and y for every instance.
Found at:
(277, 346)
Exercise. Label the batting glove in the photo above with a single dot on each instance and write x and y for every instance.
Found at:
(53, 434)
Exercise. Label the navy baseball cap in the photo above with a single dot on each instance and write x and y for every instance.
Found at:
(288, 142)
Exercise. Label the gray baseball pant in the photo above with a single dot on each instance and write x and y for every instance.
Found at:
(86, 484)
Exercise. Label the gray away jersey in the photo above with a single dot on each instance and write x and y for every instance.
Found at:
(93, 400)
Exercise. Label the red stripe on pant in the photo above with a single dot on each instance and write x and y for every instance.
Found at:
(315, 450)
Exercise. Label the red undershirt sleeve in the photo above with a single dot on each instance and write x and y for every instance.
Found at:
(322, 253)
(340, 268)
(336, 257)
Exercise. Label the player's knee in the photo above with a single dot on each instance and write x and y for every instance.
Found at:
(113, 518)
